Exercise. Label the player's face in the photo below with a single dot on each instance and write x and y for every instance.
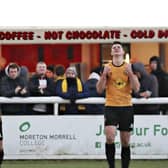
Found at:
(117, 49)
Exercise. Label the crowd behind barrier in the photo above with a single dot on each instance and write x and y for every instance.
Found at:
(49, 82)
(55, 100)
(55, 91)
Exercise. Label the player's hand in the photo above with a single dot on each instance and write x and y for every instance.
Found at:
(107, 71)
(128, 69)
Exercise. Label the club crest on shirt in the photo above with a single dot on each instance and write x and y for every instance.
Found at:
(119, 83)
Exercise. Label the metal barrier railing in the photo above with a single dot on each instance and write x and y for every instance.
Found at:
(91, 100)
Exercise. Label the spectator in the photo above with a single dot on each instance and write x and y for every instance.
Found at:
(50, 73)
(41, 85)
(162, 77)
(71, 88)
(2, 67)
(91, 85)
(2, 74)
(1, 143)
(60, 72)
(148, 88)
(24, 73)
(13, 85)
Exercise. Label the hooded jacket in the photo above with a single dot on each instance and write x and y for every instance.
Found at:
(8, 85)
(91, 85)
(161, 76)
(148, 82)
(7, 89)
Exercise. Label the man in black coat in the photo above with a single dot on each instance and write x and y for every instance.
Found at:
(12, 85)
(41, 85)
(162, 77)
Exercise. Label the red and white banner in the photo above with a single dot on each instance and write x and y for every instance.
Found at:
(78, 35)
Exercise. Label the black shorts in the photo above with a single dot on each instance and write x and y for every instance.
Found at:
(121, 117)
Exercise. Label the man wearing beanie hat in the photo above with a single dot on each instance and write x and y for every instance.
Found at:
(71, 71)
(71, 88)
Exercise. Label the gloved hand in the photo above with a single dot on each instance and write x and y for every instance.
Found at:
(72, 94)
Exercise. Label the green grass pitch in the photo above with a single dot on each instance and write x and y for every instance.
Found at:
(81, 164)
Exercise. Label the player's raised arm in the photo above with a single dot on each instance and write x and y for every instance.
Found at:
(101, 84)
(133, 78)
